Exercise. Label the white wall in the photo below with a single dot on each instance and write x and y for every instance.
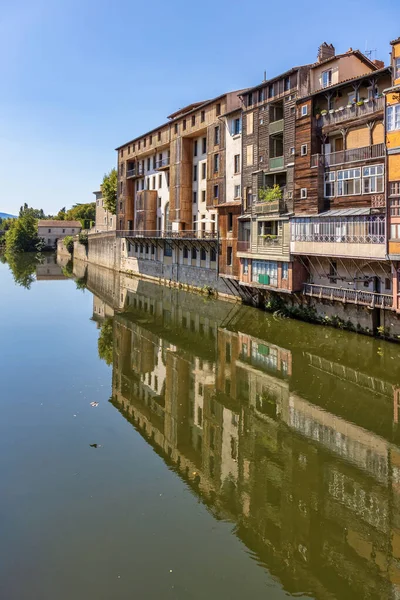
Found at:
(233, 147)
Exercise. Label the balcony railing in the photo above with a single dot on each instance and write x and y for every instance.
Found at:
(266, 208)
(243, 246)
(168, 235)
(371, 299)
(276, 126)
(276, 163)
(348, 156)
(137, 171)
(163, 163)
(369, 229)
(351, 112)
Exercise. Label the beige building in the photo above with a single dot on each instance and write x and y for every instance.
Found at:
(105, 221)
(51, 231)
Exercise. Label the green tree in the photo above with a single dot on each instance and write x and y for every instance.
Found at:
(61, 214)
(23, 236)
(105, 341)
(37, 213)
(85, 213)
(109, 191)
(69, 243)
(23, 267)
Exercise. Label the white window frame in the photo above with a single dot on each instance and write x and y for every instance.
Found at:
(304, 150)
(393, 117)
(292, 151)
(237, 191)
(373, 174)
(304, 110)
(348, 175)
(303, 193)
(328, 73)
(330, 178)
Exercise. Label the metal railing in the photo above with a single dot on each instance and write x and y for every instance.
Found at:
(243, 246)
(351, 112)
(350, 230)
(372, 299)
(168, 235)
(348, 156)
(137, 171)
(164, 162)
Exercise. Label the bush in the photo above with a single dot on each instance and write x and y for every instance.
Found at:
(69, 243)
(83, 239)
(270, 194)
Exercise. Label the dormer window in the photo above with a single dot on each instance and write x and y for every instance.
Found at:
(327, 78)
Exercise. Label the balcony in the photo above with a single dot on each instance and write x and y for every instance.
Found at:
(268, 208)
(137, 171)
(348, 156)
(163, 163)
(243, 246)
(168, 235)
(276, 127)
(352, 236)
(351, 296)
(278, 162)
(346, 113)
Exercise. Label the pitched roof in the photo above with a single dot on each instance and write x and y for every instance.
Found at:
(357, 53)
(63, 224)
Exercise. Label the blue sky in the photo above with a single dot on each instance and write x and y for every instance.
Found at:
(79, 78)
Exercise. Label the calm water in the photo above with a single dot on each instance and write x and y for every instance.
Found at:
(231, 454)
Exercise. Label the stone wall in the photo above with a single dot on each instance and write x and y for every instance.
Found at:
(62, 252)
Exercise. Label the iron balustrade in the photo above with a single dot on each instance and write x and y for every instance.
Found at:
(351, 230)
(352, 296)
(137, 171)
(348, 156)
(168, 235)
(164, 162)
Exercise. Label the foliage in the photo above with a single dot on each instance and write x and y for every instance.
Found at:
(37, 213)
(22, 236)
(270, 194)
(109, 191)
(85, 213)
(23, 267)
(68, 269)
(105, 341)
(83, 239)
(60, 216)
(69, 243)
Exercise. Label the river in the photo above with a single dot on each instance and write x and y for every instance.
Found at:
(160, 444)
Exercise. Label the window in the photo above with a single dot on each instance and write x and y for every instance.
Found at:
(49, 230)
(159, 136)
(287, 84)
(267, 228)
(184, 124)
(176, 127)
(203, 170)
(195, 148)
(303, 150)
(373, 179)
(64, 229)
(144, 143)
(395, 232)
(150, 140)
(148, 164)
(203, 116)
(230, 221)
(154, 182)
(349, 182)
(393, 117)
(245, 262)
(388, 283)
(203, 254)
(265, 267)
(261, 96)
(167, 249)
(237, 191)
(213, 255)
(216, 191)
(122, 152)
(303, 193)
(204, 148)
(159, 202)
(216, 163)
(329, 185)
(194, 197)
(271, 91)
(250, 99)
(194, 253)
(185, 252)
(195, 173)
(153, 249)
(237, 126)
(397, 68)
(229, 256)
(236, 161)
(138, 145)
(304, 110)
(333, 271)
(193, 120)
(194, 224)
(327, 78)
(203, 196)
(292, 151)
(285, 270)
(218, 109)
(216, 135)
(159, 181)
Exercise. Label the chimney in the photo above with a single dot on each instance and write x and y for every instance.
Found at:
(325, 51)
(379, 63)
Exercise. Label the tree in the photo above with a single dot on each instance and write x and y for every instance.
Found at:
(23, 267)
(69, 243)
(23, 235)
(37, 213)
(85, 213)
(61, 214)
(109, 191)
(105, 341)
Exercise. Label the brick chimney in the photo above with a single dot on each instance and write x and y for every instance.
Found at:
(325, 51)
(379, 63)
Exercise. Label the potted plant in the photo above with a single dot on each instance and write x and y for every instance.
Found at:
(360, 102)
(324, 112)
(270, 194)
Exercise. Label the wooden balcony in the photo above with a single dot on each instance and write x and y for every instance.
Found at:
(346, 113)
(349, 296)
(268, 208)
(349, 156)
(276, 127)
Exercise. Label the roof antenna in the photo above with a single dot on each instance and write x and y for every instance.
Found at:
(368, 53)
(265, 76)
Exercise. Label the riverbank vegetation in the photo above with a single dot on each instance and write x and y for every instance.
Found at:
(109, 191)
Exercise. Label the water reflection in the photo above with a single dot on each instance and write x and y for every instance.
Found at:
(290, 441)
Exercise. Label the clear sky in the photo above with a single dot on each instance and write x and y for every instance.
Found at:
(80, 77)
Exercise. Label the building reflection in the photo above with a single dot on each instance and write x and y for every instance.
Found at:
(299, 450)
(49, 270)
